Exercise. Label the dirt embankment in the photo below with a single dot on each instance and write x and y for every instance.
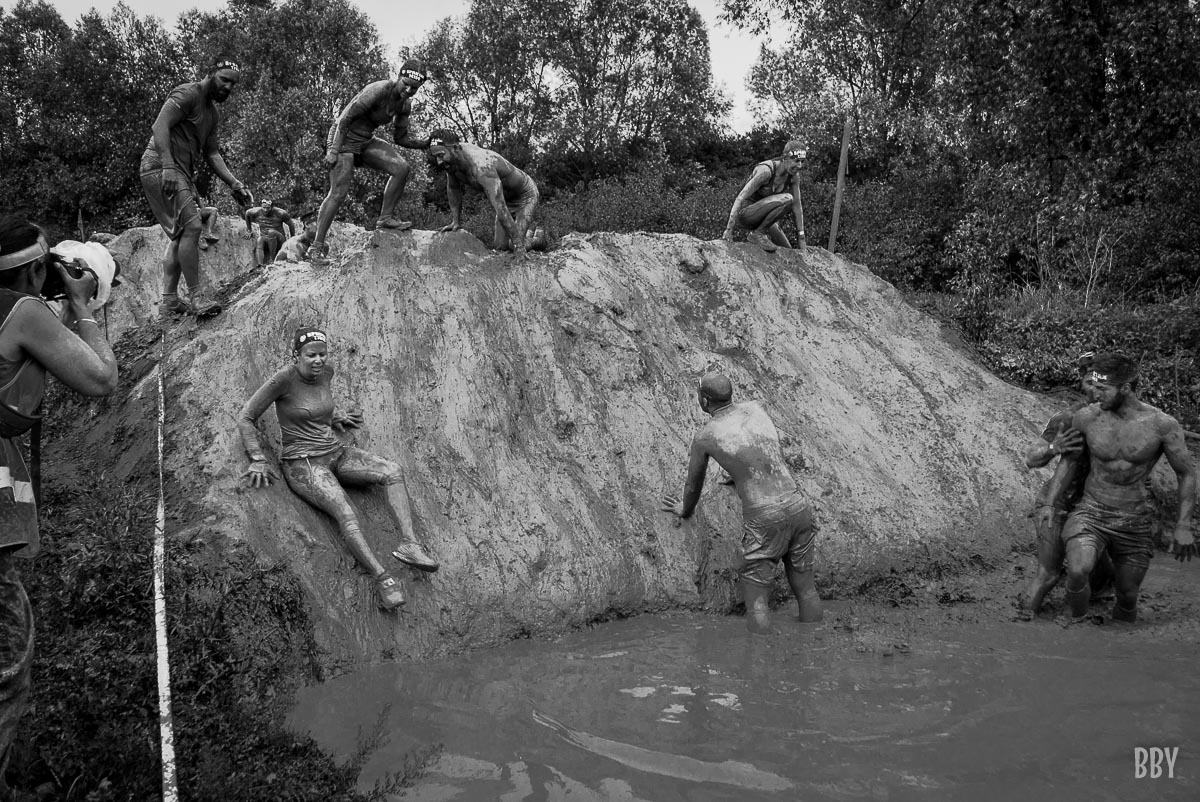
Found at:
(541, 408)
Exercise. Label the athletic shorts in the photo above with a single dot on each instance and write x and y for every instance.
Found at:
(277, 237)
(355, 141)
(173, 210)
(782, 530)
(1127, 533)
(529, 197)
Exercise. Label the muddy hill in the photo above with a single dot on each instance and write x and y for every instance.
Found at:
(541, 408)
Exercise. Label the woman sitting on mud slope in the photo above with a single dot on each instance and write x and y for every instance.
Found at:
(315, 461)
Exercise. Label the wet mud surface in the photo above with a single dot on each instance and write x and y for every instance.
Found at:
(923, 692)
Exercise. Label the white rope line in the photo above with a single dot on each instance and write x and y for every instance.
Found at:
(170, 786)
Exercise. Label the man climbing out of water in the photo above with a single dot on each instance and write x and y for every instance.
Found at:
(184, 132)
(271, 219)
(352, 143)
(296, 248)
(1124, 437)
(777, 520)
(512, 193)
(773, 188)
(1058, 439)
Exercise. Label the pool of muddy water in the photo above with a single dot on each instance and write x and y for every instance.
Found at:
(693, 707)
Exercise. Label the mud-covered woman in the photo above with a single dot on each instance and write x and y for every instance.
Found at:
(316, 463)
(34, 341)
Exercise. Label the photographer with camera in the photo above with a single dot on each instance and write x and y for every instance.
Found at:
(33, 341)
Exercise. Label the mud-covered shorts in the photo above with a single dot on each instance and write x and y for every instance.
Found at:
(1128, 533)
(16, 654)
(172, 210)
(782, 530)
(355, 141)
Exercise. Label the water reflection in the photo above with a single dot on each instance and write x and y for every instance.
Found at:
(694, 708)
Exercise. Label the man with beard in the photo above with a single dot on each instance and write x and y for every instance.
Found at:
(271, 219)
(1124, 437)
(1059, 439)
(512, 193)
(184, 132)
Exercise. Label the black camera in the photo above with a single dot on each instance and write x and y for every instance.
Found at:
(54, 289)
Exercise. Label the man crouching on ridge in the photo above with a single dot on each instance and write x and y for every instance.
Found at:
(352, 143)
(512, 193)
(777, 520)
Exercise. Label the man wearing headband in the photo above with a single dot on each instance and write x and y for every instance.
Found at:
(1124, 437)
(185, 132)
(33, 342)
(271, 220)
(777, 520)
(512, 193)
(773, 188)
(352, 143)
(1059, 439)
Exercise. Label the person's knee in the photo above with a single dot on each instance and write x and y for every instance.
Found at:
(397, 168)
(190, 228)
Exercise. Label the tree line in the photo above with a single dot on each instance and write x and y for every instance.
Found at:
(995, 144)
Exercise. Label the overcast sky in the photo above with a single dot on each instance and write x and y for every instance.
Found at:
(733, 52)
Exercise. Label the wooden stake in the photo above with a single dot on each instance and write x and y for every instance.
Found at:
(841, 184)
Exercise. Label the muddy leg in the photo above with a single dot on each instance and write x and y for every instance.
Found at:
(360, 467)
(1081, 558)
(314, 482)
(804, 587)
(1050, 553)
(758, 608)
(1128, 582)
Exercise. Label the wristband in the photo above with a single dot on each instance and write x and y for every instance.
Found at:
(85, 320)
(258, 459)
(1053, 453)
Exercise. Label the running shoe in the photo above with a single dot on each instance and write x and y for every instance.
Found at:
(391, 594)
(393, 222)
(762, 241)
(416, 556)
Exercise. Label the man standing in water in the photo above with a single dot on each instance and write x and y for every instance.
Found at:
(184, 132)
(773, 188)
(777, 520)
(1125, 437)
(512, 193)
(1059, 439)
(352, 143)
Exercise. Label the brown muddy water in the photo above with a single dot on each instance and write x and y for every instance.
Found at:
(693, 707)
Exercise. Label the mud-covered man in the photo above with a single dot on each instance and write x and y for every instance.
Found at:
(352, 143)
(296, 247)
(772, 189)
(777, 520)
(513, 194)
(271, 220)
(185, 132)
(1124, 437)
(1059, 439)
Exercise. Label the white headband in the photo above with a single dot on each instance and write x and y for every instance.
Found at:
(25, 255)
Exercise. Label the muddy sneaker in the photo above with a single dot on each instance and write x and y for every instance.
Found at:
(171, 305)
(202, 305)
(762, 241)
(392, 222)
(318, 253)
(413, 554)
(391, 594)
